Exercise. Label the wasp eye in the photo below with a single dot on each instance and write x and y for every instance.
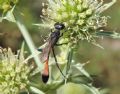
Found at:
(59, 26)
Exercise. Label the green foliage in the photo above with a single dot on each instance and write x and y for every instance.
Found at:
(114, 35)
(6, 5)
(83, 21)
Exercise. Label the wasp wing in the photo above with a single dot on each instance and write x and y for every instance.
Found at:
(45, 52)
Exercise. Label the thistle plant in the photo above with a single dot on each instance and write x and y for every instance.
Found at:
(14, 72)
(82, 18)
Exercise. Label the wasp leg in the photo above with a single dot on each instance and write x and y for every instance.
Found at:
(51, 30)
(61, 35)
(40, 50)
(57, 62)
(61, 44)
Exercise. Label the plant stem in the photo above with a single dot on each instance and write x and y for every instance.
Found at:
(30, 44)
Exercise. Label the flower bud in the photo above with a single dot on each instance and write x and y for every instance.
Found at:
(79, 8)
(84, 5)
(80, 22)
(65, 15)
(89, 12)
(6, 7)
(82, 15)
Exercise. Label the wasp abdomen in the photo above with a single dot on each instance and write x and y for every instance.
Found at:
(45, 78)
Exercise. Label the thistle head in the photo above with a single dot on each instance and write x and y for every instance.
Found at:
(82, 18)
(14, 72)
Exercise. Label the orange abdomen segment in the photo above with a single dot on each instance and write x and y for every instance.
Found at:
(45, 73)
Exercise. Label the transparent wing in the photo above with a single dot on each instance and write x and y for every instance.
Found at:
(45, 52)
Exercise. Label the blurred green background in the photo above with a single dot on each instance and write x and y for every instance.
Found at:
(104, 63)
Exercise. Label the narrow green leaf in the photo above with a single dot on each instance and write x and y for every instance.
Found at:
(37, 70)
(30, 43)
(82, 70)
(36, 91)
(69, 60)
(42, 25)
(106, 6)
(109, 34)
(98, 45)
(104, 91)
(21, 53)
(92, 89)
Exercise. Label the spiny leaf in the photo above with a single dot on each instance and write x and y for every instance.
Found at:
(36, 91)
(21, 53)
(109, 34)
(69, 58)
(9, 16)
(92, 89)
(42, 25)
(82, 70)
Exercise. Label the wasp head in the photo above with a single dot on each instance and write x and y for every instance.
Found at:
(59, 26)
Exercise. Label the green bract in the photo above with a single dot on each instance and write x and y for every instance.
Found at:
(13, 72)
(81, 17)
